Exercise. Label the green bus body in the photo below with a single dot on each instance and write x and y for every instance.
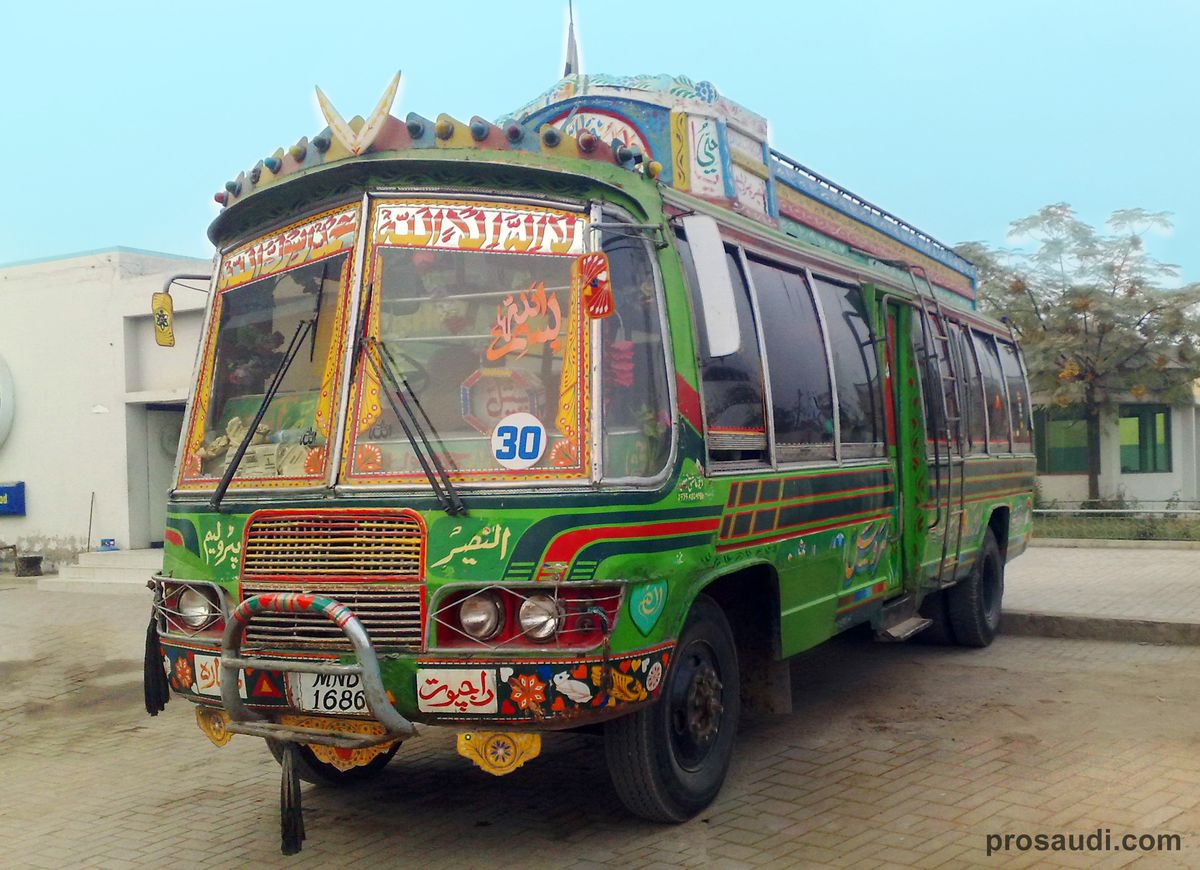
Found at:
(794, 555)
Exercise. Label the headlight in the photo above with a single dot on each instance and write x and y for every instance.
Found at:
(198, 607)
(539, 617)
(481, 616)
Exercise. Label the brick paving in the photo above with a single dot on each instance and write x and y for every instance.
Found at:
(1121, 583)
(894, 756)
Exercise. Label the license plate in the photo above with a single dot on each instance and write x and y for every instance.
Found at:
(329, 693)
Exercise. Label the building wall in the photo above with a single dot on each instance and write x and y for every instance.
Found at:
(76, 334)
(1181, 482)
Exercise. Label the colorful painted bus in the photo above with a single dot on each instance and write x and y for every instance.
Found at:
(587, 418)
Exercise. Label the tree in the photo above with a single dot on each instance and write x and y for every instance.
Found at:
(1098, 317)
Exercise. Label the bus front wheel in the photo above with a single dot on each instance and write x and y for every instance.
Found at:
(669, 760)
(973, 605)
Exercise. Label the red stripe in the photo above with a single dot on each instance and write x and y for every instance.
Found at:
(689, 402)
(567, 545)
(173, 537)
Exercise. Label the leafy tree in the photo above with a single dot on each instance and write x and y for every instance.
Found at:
(1100, 320)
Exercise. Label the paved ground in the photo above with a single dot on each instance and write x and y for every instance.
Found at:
(894, 756)
(1123, 583)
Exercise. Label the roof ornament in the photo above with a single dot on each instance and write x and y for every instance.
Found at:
(358, 142)
(572, 64)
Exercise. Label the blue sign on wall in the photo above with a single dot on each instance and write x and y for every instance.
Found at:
(12, 499)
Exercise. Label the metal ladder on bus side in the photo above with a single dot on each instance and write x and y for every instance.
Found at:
(935, 324)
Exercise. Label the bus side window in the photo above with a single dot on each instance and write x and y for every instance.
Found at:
(975, 425)
(1018, 398)
(801, 393)
(855, 368)
(994, 393)
(635, 411)
(935, 375)
(735, 419)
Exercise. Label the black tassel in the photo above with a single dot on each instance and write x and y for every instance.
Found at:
(154, 678)
(291, 813)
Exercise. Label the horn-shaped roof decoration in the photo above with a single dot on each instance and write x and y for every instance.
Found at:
(680, 132)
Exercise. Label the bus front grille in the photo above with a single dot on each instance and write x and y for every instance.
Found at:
(333, 544)
(390, 612)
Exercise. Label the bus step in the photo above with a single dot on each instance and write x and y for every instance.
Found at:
(903, 630)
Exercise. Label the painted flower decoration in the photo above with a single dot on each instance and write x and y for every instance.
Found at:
(706, 91)
(182, 673)
(315, 461)
(563, 454)
(528, 692)
(191, 466)
(368, 457)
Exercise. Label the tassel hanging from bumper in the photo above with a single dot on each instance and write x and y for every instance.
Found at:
(155, 687)
(291, 812)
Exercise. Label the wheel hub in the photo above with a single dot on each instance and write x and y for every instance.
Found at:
(703, 705)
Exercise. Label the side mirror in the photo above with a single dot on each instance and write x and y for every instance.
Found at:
(716, 289)
(163, 309)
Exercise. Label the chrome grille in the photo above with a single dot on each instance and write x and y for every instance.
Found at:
(334, 543)
(391, 614)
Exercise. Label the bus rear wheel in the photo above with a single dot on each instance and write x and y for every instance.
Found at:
(973, 605)
(313, 770)
(669, 760)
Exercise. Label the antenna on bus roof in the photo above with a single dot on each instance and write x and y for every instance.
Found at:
(572, 65)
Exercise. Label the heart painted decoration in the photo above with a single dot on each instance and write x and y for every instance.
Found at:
(646, 604)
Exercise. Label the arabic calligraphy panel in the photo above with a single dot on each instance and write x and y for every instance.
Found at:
(457, 690)
(705, 151)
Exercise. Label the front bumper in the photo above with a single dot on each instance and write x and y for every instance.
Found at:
(546, 691)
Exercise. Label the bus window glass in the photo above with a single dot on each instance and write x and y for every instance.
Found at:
(1018, 399)
(480, 338)
(855, 368)
(975, 425)
(935, 375)
(732, 384)
(799, 372)
(994, 395)
(635, 410)
(254, 323)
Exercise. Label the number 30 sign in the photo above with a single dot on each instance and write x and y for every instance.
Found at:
(518, 441)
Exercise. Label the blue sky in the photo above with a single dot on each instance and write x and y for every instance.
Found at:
(124, 118)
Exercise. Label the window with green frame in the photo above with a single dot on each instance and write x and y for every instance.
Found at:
(1060, 440)
(1145, 438)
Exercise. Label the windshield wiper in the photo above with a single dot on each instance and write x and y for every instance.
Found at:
(386, 370)
(289, 355)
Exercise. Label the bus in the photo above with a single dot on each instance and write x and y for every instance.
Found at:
(588, 418)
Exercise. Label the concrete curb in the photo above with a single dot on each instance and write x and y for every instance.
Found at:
(1024, 623)
(1110, 544)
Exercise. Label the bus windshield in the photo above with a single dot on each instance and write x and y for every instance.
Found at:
(490, 346)
(302, 274)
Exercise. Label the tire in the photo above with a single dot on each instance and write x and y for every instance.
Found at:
(668, 761)
(313, 770)
(974, 604)
(934, 607)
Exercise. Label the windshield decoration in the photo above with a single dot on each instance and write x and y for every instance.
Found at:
(324, 236)
(294, 282)
(474, 302)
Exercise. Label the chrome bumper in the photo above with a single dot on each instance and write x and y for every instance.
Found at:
(246, 721)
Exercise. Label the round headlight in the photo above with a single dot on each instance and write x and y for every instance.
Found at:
(198, 607)
(481, 616)
(539, 617)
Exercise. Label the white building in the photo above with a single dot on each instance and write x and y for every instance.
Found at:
(1148, 454)
(97, 405)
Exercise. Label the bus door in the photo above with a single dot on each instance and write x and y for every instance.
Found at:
(939, 365)
(905, 433)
